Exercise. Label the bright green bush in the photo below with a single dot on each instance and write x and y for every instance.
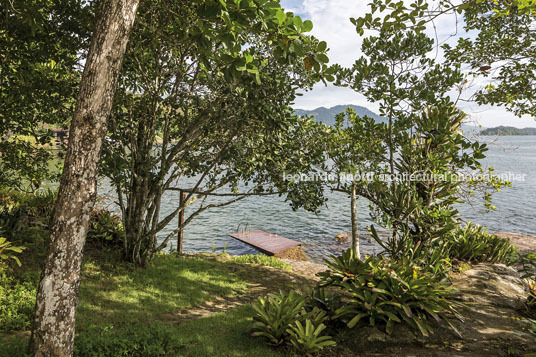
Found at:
(261, 259)
(308, 338)
(283, 319)
(17, 303)
(384, 292)
(473, 243)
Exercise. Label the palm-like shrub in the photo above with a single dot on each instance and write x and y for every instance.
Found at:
(473, 243)
(379, 290)
(285, 319)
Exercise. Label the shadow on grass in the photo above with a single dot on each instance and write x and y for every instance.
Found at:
(124, 295)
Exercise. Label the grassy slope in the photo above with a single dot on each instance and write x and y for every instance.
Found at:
(121, 307)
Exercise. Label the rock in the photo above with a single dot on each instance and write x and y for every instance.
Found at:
(342, 238)
(525, 243)
(493, 283)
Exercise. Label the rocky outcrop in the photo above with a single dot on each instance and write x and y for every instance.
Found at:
(525, 243)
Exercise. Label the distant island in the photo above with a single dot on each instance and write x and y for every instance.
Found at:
(508, 130)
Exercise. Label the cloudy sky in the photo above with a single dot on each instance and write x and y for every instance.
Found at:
(332, 24)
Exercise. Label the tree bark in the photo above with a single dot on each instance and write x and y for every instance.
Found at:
(57, 296)
(355, 235)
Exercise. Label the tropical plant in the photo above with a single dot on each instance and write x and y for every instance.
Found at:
(275, 314)
(386, 291)
(308, 339)
(285, 319)
(355, 146)
(8, 251)
(473, 243)
(105, 229)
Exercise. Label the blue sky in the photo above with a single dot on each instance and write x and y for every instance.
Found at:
(332, 24)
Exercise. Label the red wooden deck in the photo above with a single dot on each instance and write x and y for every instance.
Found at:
(266, 242)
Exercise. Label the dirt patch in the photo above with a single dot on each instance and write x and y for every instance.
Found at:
(295, 253)
(305, 269)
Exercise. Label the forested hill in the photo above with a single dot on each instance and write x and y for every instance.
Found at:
(327, 115)
(508, 130)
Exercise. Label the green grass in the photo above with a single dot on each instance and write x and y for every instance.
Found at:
(261, 260)
(125, 295)
(122, 310)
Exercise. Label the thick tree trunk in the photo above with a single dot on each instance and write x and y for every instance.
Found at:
(57, 296)
(355, 233)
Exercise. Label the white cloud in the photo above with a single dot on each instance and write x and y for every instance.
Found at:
(331, 19)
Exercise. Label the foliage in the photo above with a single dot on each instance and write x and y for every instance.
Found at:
(473, 243)
(17, 303)
(308, 339)
(8, 251)
(283, 319)
(20, 210)
(261, 259)
(382, 290)
(42, 46)
(531, 300)
(25, 218)
(275, 314)
(105, 229)
(501, 50)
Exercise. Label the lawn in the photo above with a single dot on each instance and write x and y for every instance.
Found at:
(125, 311)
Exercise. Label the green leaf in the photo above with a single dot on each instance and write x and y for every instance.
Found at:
(307, 26)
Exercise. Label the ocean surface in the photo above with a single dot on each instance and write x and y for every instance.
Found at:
(515, 210)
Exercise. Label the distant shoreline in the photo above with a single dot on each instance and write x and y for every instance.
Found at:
(508, 131)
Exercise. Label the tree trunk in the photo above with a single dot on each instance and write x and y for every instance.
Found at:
(355, 235)
(57, 296)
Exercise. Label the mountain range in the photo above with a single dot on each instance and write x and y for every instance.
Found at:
(327, 116)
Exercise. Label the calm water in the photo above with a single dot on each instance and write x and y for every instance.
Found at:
(516, 207)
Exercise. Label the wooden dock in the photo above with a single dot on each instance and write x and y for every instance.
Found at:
(266, 242)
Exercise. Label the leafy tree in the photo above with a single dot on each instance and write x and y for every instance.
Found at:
(355, 147)
(41, 47)
(502, 52)
(421, 139)
(205, 100)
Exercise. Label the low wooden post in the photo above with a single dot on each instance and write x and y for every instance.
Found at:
(180, 237)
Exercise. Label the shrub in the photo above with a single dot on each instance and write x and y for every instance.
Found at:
(284, 319)
(261, 260)
(473, 243)
(105, 229)
(309, 340)
(385, 291)
(20, 210)
(17, 303)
